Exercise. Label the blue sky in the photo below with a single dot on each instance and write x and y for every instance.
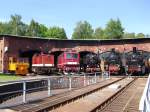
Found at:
(134, 14)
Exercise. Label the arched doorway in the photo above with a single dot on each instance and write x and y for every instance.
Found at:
(56, 54)
(83, 54)
(28, 54)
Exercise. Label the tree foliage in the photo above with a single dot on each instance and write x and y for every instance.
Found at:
(98, 33)
(140, 35)
(83, 30)
(18, 27)
(15, 26)
(5, 28)
(42, 30)
(33, 28)
(113, 30)
(56, 32)
(129, 35)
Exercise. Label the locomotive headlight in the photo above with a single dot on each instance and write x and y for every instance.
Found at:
(139, 66)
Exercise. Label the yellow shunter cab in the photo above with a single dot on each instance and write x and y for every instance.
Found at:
(19, 67)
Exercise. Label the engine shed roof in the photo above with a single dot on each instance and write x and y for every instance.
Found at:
(78, 40)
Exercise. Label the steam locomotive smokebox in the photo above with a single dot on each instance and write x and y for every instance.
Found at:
(113, 49)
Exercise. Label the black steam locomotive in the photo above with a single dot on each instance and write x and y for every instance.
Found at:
(136, 61)
(90, 63)
(111, 61)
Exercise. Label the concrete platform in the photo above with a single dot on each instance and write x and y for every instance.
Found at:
(31, 97)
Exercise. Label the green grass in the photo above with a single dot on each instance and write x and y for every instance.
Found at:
(6, 77)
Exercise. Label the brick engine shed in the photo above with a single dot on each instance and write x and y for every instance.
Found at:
(18, 46)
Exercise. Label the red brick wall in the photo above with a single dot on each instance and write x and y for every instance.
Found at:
(16, 44)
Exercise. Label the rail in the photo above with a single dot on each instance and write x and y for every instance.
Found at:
(112, 97)
(144, 105)
(23, 88)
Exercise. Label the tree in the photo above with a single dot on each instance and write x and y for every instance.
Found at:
(42, 30)
(17, 26)
(129, 35)
(83, 30)
(147, 36)
(34, 28)
(113, 30)
(56, 32)
(99, 33)
(140, 35)
(5, 28)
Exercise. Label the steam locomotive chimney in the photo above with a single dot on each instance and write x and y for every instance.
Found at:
(113, 49)
(134, 49)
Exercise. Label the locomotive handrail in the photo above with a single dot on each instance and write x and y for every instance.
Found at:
(41, 78)
(144, 105)
(28, 80)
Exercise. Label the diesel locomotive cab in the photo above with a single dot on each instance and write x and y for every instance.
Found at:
(68, 61)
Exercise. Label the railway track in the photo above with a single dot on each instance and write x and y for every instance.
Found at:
(91, 102)
(63, 99)
(95, 98)
(126, 100)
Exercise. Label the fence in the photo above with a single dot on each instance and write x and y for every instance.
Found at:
(25, 91)
(144, 105)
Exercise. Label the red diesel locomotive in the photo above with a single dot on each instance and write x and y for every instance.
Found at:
(42, 63)
(69, 61)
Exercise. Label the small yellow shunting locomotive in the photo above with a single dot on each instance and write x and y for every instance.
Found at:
(19, 67)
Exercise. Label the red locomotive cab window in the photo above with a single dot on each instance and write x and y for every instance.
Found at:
(69, 56)
(75, 56)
